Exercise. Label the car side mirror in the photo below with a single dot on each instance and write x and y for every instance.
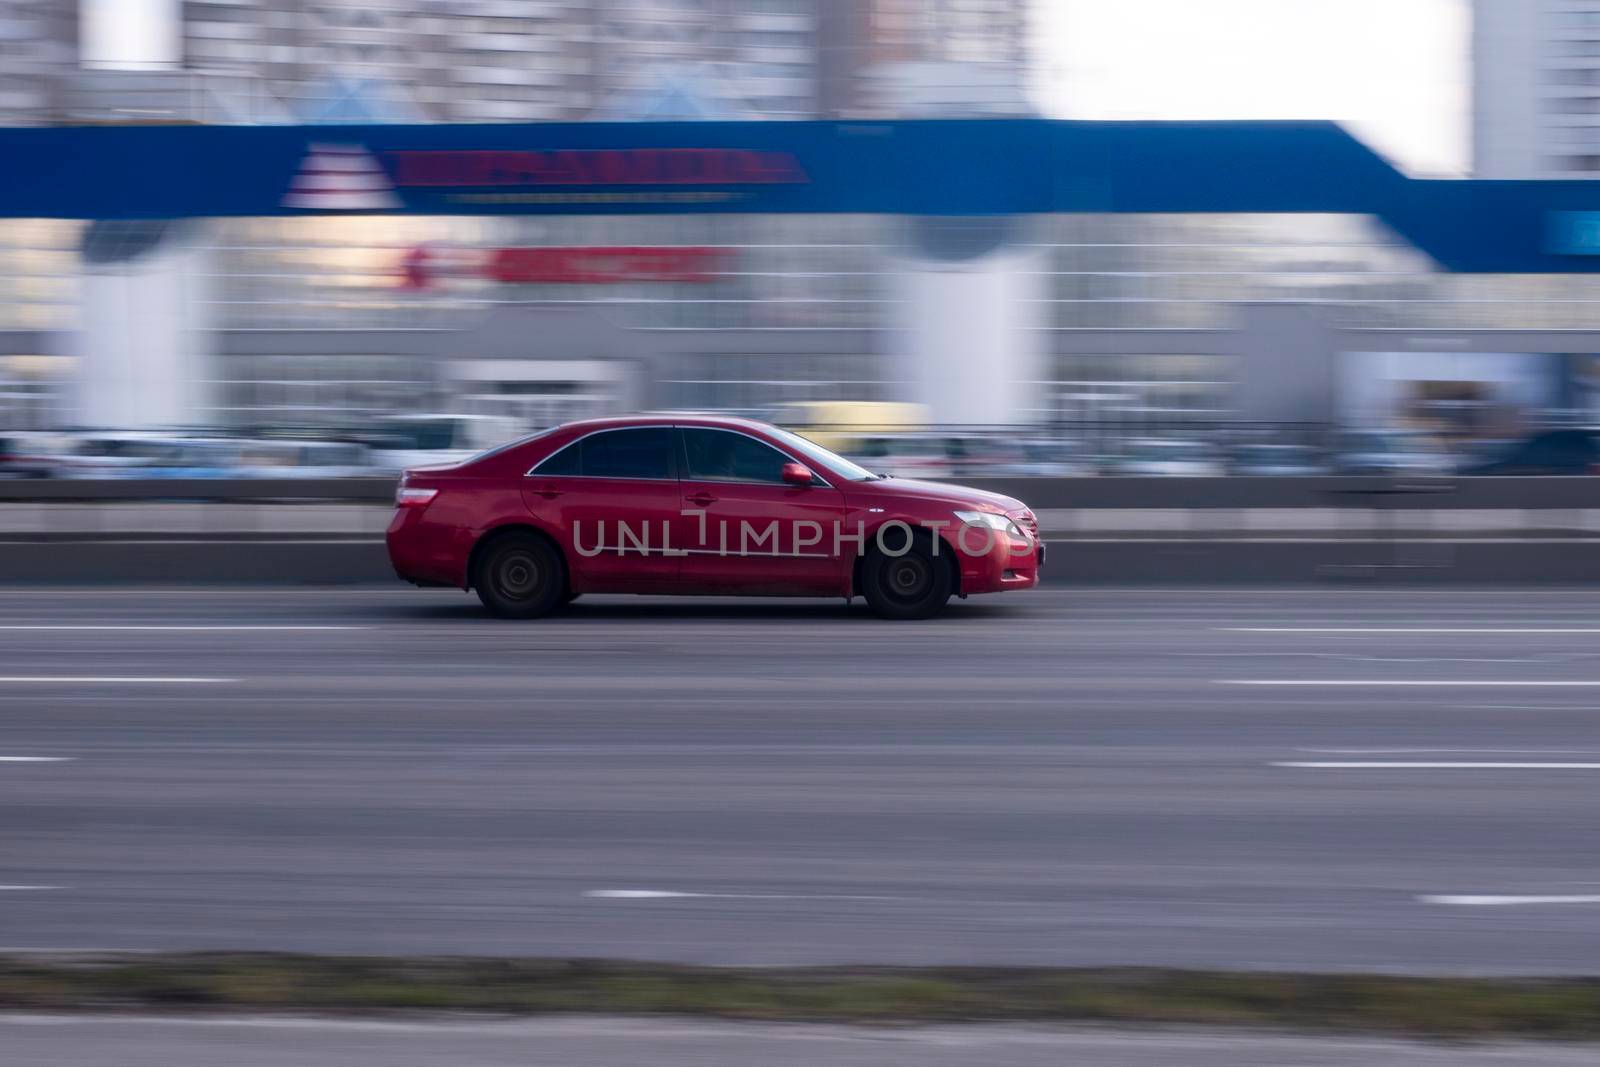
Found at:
(796, 474)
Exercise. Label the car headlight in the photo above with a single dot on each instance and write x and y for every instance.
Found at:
(993, 521)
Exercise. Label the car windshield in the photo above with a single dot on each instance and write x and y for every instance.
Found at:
(1049, 450)
(420, 434)
(203, 454)
(829, 461)
(1171, 450)
(879, 447)
(1272, 454)
(1386, 441)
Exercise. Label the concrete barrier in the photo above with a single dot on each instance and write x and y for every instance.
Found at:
(1102, 530)
(1099, 562)
(1202, 493)
(195, 562)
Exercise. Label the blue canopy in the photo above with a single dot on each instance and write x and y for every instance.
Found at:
(925, 167)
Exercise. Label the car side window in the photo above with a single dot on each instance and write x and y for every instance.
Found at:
(567, 463)
(638, 452)
(720, 456)
(1549, 450)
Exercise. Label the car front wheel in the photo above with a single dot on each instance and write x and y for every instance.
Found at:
(914, 585)
(520, 576)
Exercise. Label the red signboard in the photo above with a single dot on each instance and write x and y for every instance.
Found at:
(570, 266)
(588, 167)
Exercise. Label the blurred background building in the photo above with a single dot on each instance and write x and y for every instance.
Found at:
(38, 54)
(507, 60)
(1085, 317)
(303, 317)
(1536, 88)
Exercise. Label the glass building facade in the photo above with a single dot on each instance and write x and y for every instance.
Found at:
(794, 306)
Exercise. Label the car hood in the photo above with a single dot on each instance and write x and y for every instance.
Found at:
(940, 492)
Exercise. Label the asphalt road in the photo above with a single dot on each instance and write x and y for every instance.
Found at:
(1057, 777)
(590, 1042)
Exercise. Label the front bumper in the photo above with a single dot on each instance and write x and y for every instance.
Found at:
(1007, 564)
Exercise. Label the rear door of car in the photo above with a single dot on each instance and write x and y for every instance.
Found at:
(613, 495)
(746, 530)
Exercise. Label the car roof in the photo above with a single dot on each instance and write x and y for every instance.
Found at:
(668, 418)
(439, 417)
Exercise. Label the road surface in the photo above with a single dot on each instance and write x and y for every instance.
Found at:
(1361, 779)
(599, 1042)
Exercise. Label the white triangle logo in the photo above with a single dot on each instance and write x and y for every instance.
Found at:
(340, 177)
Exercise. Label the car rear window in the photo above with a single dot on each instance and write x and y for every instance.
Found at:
(642, 452)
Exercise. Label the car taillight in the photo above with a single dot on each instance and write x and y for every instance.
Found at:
(414, 498)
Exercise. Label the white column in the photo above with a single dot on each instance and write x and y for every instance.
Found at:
(143, 346)
(963, 343)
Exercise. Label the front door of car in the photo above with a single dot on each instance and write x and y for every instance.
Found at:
(613, 495)
(748, 531)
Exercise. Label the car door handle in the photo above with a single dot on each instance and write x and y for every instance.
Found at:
(549, 492)
(702, 498)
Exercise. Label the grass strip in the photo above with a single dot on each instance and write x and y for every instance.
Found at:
(1565, 1008)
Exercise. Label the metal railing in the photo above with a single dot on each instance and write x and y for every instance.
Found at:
(1210, 494)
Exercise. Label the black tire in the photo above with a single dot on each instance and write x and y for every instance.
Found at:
(520, 576)
(914, 585)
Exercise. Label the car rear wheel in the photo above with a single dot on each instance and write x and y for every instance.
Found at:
(914, 585)
(520, 576)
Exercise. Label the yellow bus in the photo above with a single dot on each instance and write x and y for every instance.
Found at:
(841, 424)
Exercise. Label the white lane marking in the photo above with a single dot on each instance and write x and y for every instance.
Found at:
(1409, 629)
(37, 759)
(1501, 683)
(1434, 765)
(1530, 707)
(671, 894)
(1206, 538)
(1470, 901)
(1349, 657)
(1302, 592)
(26, 888)
(108, 679)
(203, 541)
(1478, 751)
(183, 628)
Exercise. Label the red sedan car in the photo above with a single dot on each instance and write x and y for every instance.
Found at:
(700, 505)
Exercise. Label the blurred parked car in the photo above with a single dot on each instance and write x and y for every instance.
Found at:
(21, 456)
(118, 454)
(193, 458)
(1046, 457)
(1358, 452)
(304, 459)
(903, 455)
(399, 442)
(975, 455)
(1553, 452)
(1277, 460)
(1169, 457)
